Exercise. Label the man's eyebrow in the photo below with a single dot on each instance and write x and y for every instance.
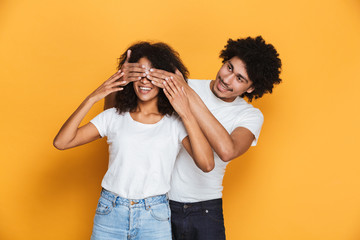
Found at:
(238, 74)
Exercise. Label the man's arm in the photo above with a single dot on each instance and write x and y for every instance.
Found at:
(227, 146)
(195, 143)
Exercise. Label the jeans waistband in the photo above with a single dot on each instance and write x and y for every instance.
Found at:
(202, 204)
(146, 202)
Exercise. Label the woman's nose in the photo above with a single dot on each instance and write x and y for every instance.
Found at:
(144, 80)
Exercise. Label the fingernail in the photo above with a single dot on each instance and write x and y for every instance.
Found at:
(171, 77)
(166, 78)
(164, 82)
(144, 74)
(119, 70)
(147, 72)
(143, 66)
(147, 76)
(151, 70)
(139, 78)
(122, 82)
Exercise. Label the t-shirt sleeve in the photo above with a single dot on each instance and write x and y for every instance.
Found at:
(101, 121)
(181, 130)
(253, 121)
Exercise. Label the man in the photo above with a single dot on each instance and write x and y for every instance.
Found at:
(250, 69)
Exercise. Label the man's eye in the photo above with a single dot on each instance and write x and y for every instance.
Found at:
(229, 67)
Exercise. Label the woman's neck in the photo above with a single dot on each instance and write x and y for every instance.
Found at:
(147, 112)
(148, 107)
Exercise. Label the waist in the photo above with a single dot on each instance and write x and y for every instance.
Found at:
(214, 203)
(145, 202)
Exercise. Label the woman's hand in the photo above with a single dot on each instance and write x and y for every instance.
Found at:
(109, 86)
(132, 71)
(177, 97)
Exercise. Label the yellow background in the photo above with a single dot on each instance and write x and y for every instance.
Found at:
(302, 181)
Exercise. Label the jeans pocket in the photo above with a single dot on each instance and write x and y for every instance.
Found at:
(160, 212)
(214, 215)
(104, 206)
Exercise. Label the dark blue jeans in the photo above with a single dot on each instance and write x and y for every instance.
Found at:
(197, 221)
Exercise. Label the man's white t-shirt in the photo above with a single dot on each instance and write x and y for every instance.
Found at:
(141, 156)
(188, 182)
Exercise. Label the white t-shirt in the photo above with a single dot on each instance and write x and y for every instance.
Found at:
(188, 182)
(141, 156)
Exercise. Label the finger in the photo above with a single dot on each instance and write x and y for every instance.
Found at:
(128, 65)
(133, 79)
(116, 89)
(155, 81)
(115, 77)
(159, 75)
(120, 83)
(175, 83)
(169, 89)
(136, 69)
(128, 54)
(167, 94)
(159, 85)
(132, 74)
(177, 72)
(184, 92)
(159, 71)
(172, 86)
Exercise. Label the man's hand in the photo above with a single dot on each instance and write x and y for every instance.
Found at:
(157, 77)
(177, 97)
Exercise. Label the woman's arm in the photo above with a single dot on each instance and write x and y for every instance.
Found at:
(70, 135)
(195, 143)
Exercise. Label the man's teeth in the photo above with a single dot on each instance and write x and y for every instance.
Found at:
(145, 88)
(223, 86)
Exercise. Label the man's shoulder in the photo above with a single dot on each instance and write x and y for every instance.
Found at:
(198, 82)
(201, 87)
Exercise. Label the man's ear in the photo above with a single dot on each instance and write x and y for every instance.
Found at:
(250, 89)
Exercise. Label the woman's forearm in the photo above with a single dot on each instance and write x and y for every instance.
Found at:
(68, 131)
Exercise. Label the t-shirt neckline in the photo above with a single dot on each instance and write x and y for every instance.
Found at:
(144, 124)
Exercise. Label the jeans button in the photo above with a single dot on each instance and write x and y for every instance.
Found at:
(186, 206)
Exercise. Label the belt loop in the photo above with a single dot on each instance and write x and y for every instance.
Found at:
(114, 201)
(147, 206)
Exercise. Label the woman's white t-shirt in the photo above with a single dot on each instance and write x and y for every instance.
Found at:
(141, 156)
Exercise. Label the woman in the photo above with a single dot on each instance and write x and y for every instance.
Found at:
(144, 135)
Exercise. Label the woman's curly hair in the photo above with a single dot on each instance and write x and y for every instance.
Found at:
(161, 56)
(262, 62)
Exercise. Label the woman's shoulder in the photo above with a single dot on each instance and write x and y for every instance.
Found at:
(112, 113)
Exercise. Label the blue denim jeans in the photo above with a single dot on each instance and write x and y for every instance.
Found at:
(197, 221)
(123, 219)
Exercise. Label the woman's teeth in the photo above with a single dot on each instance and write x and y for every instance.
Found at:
(145, 88)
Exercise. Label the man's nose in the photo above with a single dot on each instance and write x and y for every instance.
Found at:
(227, 79)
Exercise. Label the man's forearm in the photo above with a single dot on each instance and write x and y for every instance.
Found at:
(216, 134)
